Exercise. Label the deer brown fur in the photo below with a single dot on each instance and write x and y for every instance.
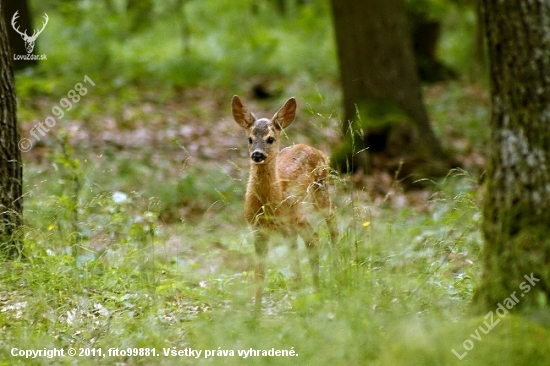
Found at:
(283, 188)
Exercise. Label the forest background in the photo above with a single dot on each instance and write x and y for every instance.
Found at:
(133, 229)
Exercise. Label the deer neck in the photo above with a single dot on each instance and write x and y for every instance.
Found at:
(264, 195)
(264, 183)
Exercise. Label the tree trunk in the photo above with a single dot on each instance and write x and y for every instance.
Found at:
(516, 212)
(383, 107)
(16, 43)
(426, 34)
(11, 169)
(140, 13)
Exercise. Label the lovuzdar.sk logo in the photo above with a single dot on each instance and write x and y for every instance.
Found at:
(29, 40)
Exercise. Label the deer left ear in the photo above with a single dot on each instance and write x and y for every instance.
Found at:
(241, 114)
(285, 116)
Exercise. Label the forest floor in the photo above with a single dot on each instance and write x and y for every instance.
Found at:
(135, 239)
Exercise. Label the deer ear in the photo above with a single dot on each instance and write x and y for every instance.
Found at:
(285, 116)
(242, 116)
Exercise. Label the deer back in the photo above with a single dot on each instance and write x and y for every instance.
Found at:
(301, 168)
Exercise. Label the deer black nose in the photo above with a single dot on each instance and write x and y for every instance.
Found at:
(258, 156)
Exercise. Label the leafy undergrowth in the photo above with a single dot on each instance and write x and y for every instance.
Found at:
(134, 238)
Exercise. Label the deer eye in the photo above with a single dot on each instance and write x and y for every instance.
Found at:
(250, 140)
(270, 140)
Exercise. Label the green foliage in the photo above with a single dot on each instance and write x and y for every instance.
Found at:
(429, 9)
(189, 43)
(461, 46)
(379, 113)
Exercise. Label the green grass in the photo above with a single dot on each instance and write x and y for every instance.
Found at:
(107, 265)
(147, 247)
(128, 280)
(125, 279)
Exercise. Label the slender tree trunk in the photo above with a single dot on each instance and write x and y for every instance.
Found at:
(383, 107)
(516, 213)
(140, 13)
(426, 34)
(11, 171)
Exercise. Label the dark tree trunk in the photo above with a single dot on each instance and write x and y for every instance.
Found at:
(16, 43)
(426, 34)
(140, 13)
(11, 171)
(383, 107)
(516, 212)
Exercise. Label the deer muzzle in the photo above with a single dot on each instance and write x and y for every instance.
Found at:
(258, 156)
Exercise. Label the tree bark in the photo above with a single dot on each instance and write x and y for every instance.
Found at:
(383, 107)
(11, 168)
(516, 212)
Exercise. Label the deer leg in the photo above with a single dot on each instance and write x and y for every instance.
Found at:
(313, 254)
(260, 246)
(331, 223)
(312, 244)
(295, 263)
(324, 205)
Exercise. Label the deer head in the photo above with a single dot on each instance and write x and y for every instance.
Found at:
(263, 133)
(29, 41)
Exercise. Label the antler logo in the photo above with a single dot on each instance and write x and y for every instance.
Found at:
(29, 41)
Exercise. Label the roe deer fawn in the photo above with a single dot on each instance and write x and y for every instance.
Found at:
(282, 186)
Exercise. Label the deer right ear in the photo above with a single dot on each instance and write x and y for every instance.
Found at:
(284, 116)
(242, 116)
